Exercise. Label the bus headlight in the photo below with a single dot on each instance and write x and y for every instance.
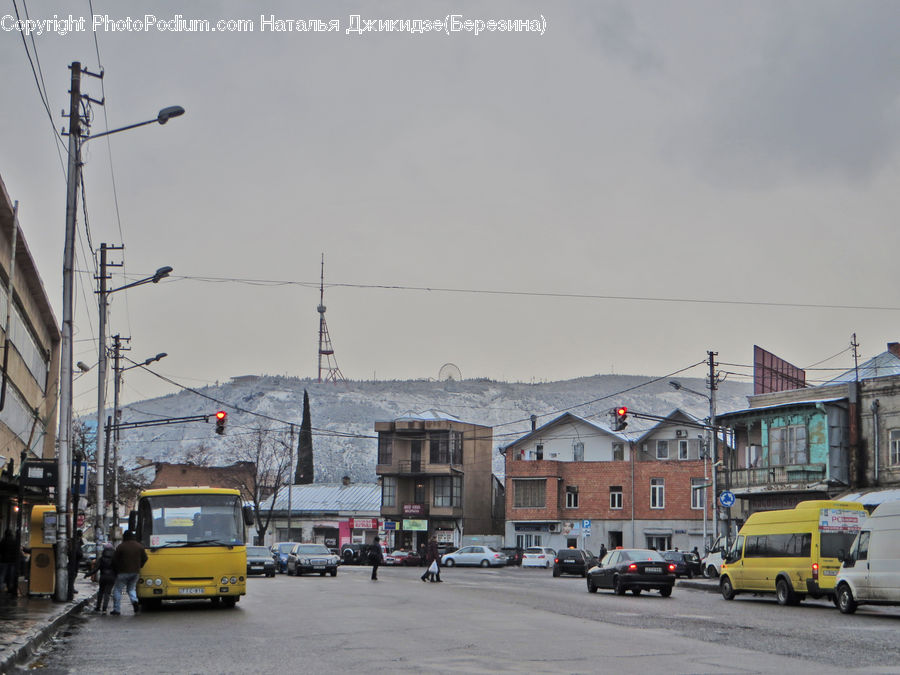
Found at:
(158, 582)
(224, 580)
(149, 582)
(234, 580)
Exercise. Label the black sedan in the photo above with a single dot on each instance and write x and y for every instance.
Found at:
(634, 570)
(685, 564)
(260, 561)
(573, 561)
(311, 558)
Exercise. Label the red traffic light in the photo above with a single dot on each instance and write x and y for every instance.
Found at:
(621, 412)
(221, 416)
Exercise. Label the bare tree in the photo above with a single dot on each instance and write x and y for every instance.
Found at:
(199, 455)
(267, 451)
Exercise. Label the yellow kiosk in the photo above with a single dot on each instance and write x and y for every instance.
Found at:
(43, 559)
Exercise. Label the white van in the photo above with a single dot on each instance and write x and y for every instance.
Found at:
(712, 563)
(871, 570)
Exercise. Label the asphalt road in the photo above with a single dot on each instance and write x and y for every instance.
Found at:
(478, 621)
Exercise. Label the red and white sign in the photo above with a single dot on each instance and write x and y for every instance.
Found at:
(364, 523)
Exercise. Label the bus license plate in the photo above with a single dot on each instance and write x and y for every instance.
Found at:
(653, 570)
(191, 591)
(830, 573)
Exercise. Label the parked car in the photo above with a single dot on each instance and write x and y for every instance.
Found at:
(483, 556)
(633, 570)
(444, 549)
(871, 566)
(280, 551)
(513, 554)
(573, 561)
(683, 563)
(400, 557)
(538, 556)
(260, 561)
(312, 558)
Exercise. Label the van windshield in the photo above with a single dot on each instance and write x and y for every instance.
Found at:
(832, 542)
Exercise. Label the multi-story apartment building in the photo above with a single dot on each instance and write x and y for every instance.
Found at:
(572, 482)
(28, 417)
(436, 477)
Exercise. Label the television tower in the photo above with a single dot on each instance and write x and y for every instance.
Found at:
(333, 373)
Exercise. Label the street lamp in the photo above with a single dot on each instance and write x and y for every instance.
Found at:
(73, 175)
(100, 459)
(714, 454)
(115, 418)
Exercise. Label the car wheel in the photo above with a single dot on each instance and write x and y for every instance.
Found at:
(845, 601)
(556, 572)
(229, 601)
(450, 562)
(784, 593)
(711, 572)
(727, 588)
(690, 575)
(618, 586)
(334, 573)
(665, 591)
(289, 573)
(485, 563)
(547, 566)
(591, 587)
(321, 574)
(636, 591)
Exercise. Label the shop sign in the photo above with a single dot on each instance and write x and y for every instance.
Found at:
(388, 525)
(413, 509)
(415, 525)
(364, 523)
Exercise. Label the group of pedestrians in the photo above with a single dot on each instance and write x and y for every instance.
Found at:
(432, 560)
(117, 570)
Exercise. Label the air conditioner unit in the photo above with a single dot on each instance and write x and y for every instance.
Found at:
(553, 527)
(681, 433)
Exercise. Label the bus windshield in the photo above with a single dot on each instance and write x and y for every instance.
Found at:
(180, 520)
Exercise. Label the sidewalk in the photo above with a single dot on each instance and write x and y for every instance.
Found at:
(699, 584)
(26, 623)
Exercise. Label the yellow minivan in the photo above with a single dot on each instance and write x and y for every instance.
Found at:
(792, 553)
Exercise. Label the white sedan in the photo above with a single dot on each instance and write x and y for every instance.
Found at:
(538, 556)
(483, 556)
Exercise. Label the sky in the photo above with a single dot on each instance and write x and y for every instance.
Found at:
(632, 185)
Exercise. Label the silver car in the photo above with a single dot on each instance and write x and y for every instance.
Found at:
(482, 556)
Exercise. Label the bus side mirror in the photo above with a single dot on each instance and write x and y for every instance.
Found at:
(248, 516)
(132, 521)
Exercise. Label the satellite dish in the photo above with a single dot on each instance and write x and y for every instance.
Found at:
(449, 371)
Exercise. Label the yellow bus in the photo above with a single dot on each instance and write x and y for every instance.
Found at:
(793, 553)
(196, 545)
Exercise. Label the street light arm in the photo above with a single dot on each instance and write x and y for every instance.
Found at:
(160, 274)
(164, 116)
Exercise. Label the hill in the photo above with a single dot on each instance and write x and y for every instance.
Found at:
(344, 415)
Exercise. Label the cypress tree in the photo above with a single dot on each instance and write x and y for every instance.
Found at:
(305, 473)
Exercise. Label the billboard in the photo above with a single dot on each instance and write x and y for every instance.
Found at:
(771, 373)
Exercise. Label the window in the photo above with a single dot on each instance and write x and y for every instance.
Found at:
(389, 491)
(618, 451)
(659, 543)
(385, 448)
(419, 493)
(528, 540)
(440, 447)
(578, 451)
(571, 497)
(698, 493)
(443, 491)
(456, 444)
(657, 493)
(787, 445)
(615, 496)
(539, 451)
(529, 494)
(36, 359)
(683, 449)
(662, 449)
(895, 447)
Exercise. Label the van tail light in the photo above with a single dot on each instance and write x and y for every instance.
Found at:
(815, 571)
(632, 566)
(671, 568)
(556, 561)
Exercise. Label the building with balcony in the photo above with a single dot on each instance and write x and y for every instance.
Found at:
(573, 482)
(436, 480)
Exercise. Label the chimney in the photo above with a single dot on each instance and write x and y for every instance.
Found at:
(345, 481)
(533, 422)
(894, 348)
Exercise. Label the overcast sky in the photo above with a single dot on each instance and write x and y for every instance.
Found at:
(684, 167)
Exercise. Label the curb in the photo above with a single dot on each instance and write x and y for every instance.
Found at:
(711, 586)
(32, 642)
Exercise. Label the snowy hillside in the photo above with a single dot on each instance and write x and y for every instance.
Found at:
(351, 409)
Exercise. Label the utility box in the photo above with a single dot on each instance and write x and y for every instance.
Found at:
(43, 558)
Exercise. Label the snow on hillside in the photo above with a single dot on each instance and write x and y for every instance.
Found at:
(352, 408)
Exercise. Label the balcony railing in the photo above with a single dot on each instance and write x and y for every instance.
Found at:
(776, 475)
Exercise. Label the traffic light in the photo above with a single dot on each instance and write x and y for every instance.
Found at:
(221, 416)
(620, 417)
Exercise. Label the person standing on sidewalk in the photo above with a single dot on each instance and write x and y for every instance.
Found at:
(375, 557)
(128, 560)
(9, 562)
(106, 576)
(432, 555)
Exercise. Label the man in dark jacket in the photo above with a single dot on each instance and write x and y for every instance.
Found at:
(128, 560)
(432, 555)
(9, 573)
(375, 557)
(106, 576)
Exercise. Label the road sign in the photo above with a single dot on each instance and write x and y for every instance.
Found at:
(726, 499)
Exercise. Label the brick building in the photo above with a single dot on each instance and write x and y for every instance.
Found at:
(237, 476)
(647, 492)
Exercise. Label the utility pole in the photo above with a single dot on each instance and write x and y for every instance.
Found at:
(290, 483)
(100, 458)
(713, 385)
(65, 365)
(117, 383)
